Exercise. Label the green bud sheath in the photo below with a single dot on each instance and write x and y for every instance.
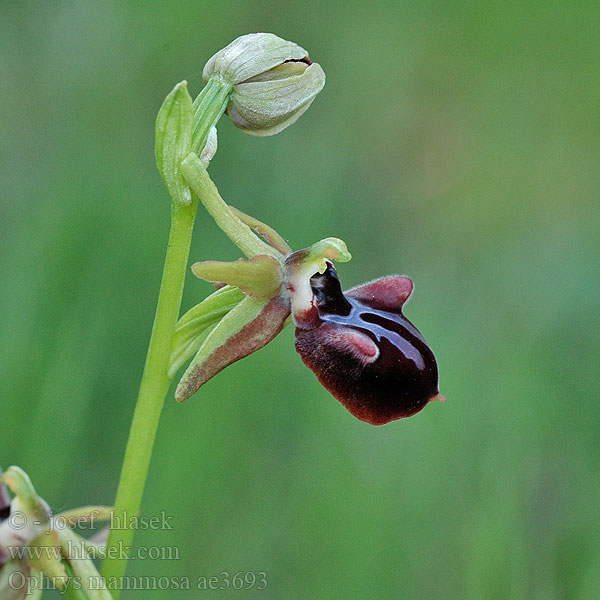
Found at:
(174, 124)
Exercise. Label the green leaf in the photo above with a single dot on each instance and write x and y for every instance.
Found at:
(173, 141)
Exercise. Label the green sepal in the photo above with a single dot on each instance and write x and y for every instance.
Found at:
(27, 500)
(8, 577)
(173, 142)
(252, 324)
(72, 592)
(272, 101)
(263, 230)
(195, 325)
(85, 514)
(83, 567)
(36, 581)
(45, 556)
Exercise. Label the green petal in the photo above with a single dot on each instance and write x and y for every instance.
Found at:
(263, 230)
(85, 514)
(27, 500)
(259, 277)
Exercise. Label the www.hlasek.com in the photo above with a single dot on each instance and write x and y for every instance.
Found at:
(226, 580)
(80, 550)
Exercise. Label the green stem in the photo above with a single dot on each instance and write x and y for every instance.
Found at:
(237, 231)
(153, 389)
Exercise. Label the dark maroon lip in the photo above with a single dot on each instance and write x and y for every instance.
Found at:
(335, 307)
(398, 379)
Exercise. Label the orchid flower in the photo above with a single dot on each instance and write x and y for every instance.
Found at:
(359, 344)
(35, 543)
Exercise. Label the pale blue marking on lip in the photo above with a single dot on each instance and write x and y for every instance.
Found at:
(355, 319)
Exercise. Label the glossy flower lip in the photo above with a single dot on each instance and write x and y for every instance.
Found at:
(364, 350)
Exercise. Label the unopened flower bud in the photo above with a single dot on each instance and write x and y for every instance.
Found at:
(274, 82)
(250, 55)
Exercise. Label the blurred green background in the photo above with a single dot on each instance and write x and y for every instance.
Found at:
(458, 143)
